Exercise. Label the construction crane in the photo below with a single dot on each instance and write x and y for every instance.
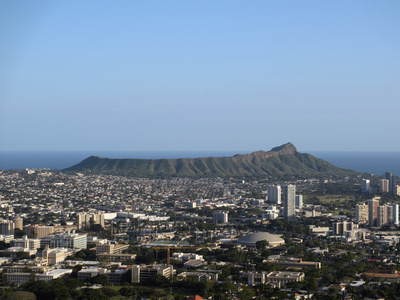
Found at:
(168, 247)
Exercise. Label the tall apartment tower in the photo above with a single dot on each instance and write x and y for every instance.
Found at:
(274, 193)
(289, 202)
(18, 222)
(384, 186)
(362, 213)
(382, 218)
(365, 186)
(396, 216)
(389, 177)
(299, 201)
(373, 211)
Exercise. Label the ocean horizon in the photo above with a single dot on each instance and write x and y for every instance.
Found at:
(375, 163)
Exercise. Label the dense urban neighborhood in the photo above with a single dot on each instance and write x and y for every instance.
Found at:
(71, 235)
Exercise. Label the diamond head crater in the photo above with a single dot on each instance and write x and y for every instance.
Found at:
(281, 161)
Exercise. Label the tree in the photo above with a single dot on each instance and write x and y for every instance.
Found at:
(102, 279)
(262, 245)
(246, 293)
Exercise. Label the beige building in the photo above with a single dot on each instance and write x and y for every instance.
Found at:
(85, 220)
(384, 186)
(18, 222)
(43, 231)
(362, 213)
(54, 256)
(109, 248)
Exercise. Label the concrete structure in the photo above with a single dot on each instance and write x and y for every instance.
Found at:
(201, 275)
(26, 243)
(362, 213)
(396, 215)
(53, 274)
(285, 277)
(142, 273)
(271, 213)
(254, 278)
(289, 202)
(373, 211)
(384, 185)
(389, 178)
(18, 278)
(18, 222)
(365, 186)
(42, 231)
(388, 214)
(85, 220)
(299, 201)
(251, 239)
(7, 227)
(65, 240)
(55, 256)
(274, 193)
(295, 263)
(88, 273)
(383, 275)
(339, 228)
(220, 217)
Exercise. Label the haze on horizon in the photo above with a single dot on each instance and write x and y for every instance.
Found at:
(199, 75)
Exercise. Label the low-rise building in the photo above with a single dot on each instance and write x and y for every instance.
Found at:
(142, 273)
(281, 278)
(53, 274)
(18, 278)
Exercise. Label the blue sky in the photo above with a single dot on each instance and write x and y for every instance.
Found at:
(199, 75)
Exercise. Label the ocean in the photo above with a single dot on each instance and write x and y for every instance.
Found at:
(375, 163)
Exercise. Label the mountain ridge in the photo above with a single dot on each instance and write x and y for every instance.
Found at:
(279, 161)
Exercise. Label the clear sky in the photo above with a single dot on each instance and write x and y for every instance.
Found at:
(199, 75)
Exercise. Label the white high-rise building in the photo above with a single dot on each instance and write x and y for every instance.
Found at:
(289, 202)
(274, 193)
(396, 212)
(365, 186)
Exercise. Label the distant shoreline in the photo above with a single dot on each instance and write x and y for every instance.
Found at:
(369, 162)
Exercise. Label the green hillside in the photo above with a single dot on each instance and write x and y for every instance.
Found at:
(280, 161)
